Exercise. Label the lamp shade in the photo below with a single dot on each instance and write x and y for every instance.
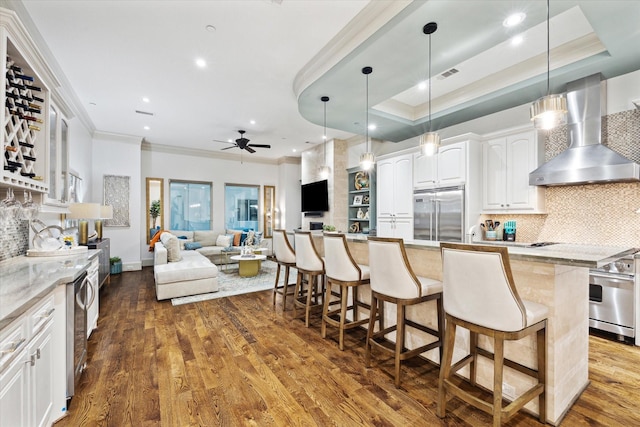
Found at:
(84, 211)
(106, 212)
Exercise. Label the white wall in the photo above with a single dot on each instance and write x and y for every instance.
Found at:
(120, 155)
(288, 196)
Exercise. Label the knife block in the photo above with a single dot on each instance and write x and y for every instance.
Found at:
(509, 237)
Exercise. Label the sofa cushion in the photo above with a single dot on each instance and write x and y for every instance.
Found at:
(190, 246)
(170, 242)
(210, 250)
(205, 237)
(224, 240)
(190, 268)
(182, 233)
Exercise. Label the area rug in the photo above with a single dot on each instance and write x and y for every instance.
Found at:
(230, 283)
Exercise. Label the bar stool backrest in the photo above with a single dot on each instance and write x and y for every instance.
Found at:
(282, 248)
(307, 257)
(338, 262)
(478, 287)
(390, 271)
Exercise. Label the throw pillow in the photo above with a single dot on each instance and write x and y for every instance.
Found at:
(205, 237)
(154, 240)
(190, 246)
(236, 239)
(183, 241)
(223, 240)
(173, 247)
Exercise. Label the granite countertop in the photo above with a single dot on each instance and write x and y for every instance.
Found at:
(25, 280)
(590, 256)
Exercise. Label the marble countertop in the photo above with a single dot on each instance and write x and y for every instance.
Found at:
(590, 256)
(25, 280)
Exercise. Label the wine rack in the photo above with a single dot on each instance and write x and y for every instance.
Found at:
(23, 124)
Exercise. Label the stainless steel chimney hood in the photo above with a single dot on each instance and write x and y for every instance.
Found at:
(586, 161)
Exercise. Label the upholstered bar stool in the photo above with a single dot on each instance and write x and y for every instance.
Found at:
(310, 280)
(393, 281)
(342, 271)
(480, 295)
(285, 257)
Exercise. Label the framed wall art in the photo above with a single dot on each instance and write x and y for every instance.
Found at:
(116, 194)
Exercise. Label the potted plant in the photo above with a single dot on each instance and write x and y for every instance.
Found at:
(154, 211)
(116, 265)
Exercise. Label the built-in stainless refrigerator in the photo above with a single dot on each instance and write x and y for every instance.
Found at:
(439, 214)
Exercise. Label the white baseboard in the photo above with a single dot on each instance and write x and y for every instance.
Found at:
(131, 266)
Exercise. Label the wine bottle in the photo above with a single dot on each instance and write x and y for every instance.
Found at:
(25, 144)
(33, 159)
(12, 95)
(29, 174)
(36, 88)
(15, 68)
(34, 127)
(10, 169)
(17, 85)
(35, 98)
(24, 77)
(11, 148)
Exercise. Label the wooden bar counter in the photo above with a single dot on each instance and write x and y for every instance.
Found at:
(556, 276)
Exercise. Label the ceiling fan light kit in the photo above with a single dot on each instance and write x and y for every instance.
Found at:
(550, 110)
(430, 141)
(367, 159)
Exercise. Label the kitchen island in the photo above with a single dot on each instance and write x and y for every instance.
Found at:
(556, 276)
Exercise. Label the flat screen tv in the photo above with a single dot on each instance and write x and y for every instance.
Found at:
(315, 197)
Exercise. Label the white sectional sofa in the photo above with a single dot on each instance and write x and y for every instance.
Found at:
(180, 273)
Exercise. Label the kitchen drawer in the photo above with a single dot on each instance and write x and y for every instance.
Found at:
(40, 314)
(12, 340)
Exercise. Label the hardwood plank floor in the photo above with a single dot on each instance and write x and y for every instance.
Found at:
(238, 362)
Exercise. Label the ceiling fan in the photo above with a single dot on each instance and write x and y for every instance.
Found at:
(243, 143)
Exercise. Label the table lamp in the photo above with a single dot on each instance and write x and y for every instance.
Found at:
(106, 212)
(83, 212)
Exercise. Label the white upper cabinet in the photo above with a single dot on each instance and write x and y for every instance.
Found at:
(507, 161)
(447, 167)
(395, 196)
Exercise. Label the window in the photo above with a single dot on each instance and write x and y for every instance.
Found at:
(190, 205)
(241, 206)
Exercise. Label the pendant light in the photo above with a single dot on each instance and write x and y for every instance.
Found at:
(324, 170)
(367, 159)
(430, 141)
(550, 110)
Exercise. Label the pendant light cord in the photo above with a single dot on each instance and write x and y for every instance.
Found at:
(430, 83)
(548, 53)
(324, 136)
(366, 124)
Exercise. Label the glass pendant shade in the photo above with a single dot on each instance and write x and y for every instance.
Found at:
(324, 171)
(367, 160)
(549, 111)
(429, 143)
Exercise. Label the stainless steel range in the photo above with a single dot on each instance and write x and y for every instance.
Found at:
(611, 298)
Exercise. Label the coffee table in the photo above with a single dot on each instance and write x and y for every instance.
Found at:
(249, 266)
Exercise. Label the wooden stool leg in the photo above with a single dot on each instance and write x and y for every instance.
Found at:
(498, 367)
(297, 294)
(312, 290)
(286, 286)
(473, 351)
(445, 367)
(440, 308)
(372, 324)
(325, 311)
(399, 341)
(275, 287)
(344, 299)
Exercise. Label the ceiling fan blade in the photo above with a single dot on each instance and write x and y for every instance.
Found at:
(227, 148)
(249, 149)
(259, 145)
(224, 142)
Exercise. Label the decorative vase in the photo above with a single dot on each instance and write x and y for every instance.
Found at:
(116, 267)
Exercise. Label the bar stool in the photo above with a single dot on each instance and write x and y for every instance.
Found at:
(342, 271)
(310, 267)
(480, 295)
(285, 257)
(393, 281)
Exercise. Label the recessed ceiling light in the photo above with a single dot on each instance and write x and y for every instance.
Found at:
(210, 28)
(422, 85)
(147, 128)
(372, 126)
(294, 150)
(253, 122)
(514, 19)
(201, 62)
(145, 99)
(517, 40)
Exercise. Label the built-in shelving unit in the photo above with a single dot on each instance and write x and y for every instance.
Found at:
(361, 215)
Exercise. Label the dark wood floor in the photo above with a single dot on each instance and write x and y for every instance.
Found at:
(238, 362)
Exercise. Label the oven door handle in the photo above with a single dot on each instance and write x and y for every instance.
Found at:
(625, 277)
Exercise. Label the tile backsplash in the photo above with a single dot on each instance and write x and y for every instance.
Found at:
(14, 239)
(595, 214)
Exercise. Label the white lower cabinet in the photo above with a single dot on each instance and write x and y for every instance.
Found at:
(399, 227)
(31, 376)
